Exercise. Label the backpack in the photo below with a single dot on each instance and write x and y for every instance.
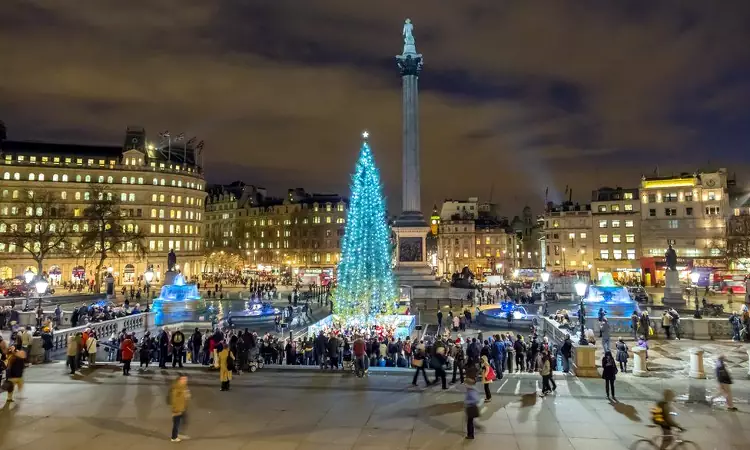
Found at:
(657, 415)
(491, 375)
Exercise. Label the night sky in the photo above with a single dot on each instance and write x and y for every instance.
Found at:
(515, 95)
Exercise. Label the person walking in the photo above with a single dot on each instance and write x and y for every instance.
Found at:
(72, 353)
(725, 382)
(179, 397)
(440, 321)
(666, 323)
(15, 363)
(439, 363)
(545, 370)
(622, 355)
(609, 370)
(459, 359)
(127, 349)
(471, 406)
(487, 376)
(418, 362)
(178, 348)
(604, 332)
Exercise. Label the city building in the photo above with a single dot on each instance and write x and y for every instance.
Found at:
(738, 230)
(223, 205)
(568, 238)
(616, 238)
(485, 245)
(529, 232)
(302, 231)
(160, 187)
(688, 211)
(468, 209)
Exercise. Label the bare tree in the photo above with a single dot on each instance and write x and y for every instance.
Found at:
(109, 231)
(38, 223)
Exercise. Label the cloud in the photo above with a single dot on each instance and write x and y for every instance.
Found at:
(516, 94)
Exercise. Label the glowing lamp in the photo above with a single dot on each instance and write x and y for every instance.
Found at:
(41, 286)
(694, 277)
(148, 275)
(545, 276)
(28, 276)
(580, 288)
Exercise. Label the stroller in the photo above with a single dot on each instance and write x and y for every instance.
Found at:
(348, 364)
(255, 360)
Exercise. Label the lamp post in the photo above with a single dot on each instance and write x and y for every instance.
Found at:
(148, 276)
(581, 291)
(28, 277)
(41, 288)
(545, 279)
(694, 277)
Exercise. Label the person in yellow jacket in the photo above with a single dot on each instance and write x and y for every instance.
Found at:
(179, 397)
(226, 361)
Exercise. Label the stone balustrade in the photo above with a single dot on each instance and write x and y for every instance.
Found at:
(135, 322)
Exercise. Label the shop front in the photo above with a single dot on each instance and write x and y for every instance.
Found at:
(78, 274)
(128, 274)
(653, 270)
(54, 276)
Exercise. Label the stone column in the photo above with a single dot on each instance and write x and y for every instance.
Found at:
(696, 363)
(639, 362)
(410, 105)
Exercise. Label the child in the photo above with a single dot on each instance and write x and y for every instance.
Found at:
(471, 406)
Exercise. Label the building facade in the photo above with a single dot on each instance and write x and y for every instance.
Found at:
(529, 233)
(568, 238)
(483, 245)
(616, 215)
(161, 192)
(689, 212)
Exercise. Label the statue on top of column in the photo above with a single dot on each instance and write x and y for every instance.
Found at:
(171, 260)
(670, 258)
(407, 32)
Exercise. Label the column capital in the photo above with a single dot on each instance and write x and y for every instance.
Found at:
(409, 64)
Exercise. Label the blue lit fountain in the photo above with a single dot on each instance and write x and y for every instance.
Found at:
(610, 296)
(255, 312)
(177, 302)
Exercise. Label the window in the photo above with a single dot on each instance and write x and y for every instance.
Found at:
(582, 235)
(651, 198)
(615, 224)
(602, 224)
(673, 224)
(616, 238)
(78, 178)
(652, 213)
(340, 207)
(604, 254)
(670, 197)
(131, 197)
(16, 176)
(78, 195)
(617, 254)
(712, 196)
(630, 238)
(629, 224)
(88, 178)
(670, 211)
(101, 179)
(630, 253)
(689, 196)
(615, 208)
(628, 207)
(153, 213)
(602, 208)
(603, 238)
(123, 197)
(712, 210)
(64, 195)
(31, 177)
(64, 178)
(555, 224)
(688, 211)
(570, 236)
(55, 177)
(628, 196)
(6, 176)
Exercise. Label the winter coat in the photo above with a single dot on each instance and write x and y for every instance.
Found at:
(179, 396)
(225, 372)
(609, 368)
(622, 352)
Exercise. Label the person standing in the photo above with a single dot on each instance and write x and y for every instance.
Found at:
(622, 355)
(127, 349)
(545, 370)
(439, 363)
(566, 351)
(72, 353)
(418, 363)
(196, 339)
(91, 346)
(179, 397)
(163, 348)
(604, 332)
(459, 359)
(440, 321)
(725, 382)
(666, 323)
(609, 370)
(225, 362)
(47, 343)
(178, 348)
(487, 377)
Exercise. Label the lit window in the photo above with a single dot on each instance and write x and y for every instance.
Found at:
(16, 176)
(78, 195)
(78, 178)
(101, 179)
(64, 178)
(616, 239)
(630, 238)
(55, 177)
(583, 235)
(631, 253)
(628, 224)
(6, 176)
(603, 238)
(617, 254)
(628, 207)
(628, 196)
(615, 224)
(31, 177)
(604, 254)
(602, 224)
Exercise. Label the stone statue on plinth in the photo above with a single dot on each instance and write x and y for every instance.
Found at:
(671, 258)
(171, 260)
(407, 32)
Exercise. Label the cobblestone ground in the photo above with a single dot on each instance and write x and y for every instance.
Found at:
(310, 410)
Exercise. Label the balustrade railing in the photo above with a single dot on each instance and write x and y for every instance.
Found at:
(135, 323)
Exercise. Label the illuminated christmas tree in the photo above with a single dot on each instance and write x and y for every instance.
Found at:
(366, 288)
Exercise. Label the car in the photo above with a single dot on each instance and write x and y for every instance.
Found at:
(638, 294)
(15, 291)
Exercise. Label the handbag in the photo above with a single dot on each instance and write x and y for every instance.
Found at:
(417, 362)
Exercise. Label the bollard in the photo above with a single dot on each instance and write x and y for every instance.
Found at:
(640, 368)
(696, 363)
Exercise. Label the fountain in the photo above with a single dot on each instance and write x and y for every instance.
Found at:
(254, 313)
(606, 294)
(497, 315)
(177, 302)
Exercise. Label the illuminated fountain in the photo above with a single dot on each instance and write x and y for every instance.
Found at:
(255, 312)
(177, 302)
(606, 294)
(498, 314)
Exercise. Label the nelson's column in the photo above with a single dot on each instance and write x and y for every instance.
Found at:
(410, 227)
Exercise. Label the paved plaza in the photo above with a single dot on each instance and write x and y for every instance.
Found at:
(299, 409)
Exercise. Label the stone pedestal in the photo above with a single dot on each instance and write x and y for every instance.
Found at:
(584, 361)
(36, 355)
(701, 330)
(169, 277)
(639, 362)
(672, 290)
(412, 268)
(696, 363)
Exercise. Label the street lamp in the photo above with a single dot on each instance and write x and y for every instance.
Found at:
(694, 277)
(28, 277)
(581, 291)
(41, 288)
(148, 276)
(545, 279)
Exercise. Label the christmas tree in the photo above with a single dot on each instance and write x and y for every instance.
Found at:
(366, 287)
